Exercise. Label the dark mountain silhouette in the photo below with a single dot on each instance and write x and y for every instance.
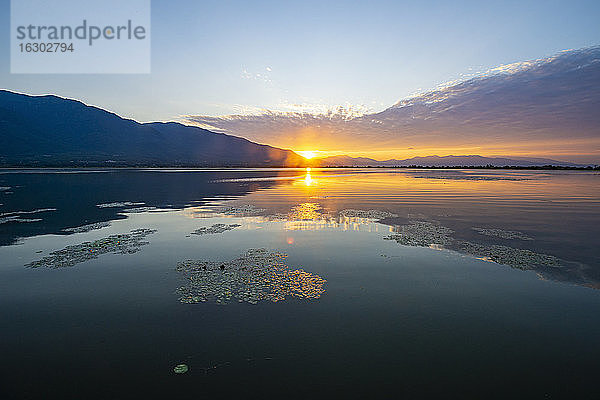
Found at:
(53, 131)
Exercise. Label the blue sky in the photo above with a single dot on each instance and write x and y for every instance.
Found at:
(224, 57)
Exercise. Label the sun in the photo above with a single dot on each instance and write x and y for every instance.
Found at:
(308, 154)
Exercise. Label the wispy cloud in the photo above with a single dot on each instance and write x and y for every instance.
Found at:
(262, 76)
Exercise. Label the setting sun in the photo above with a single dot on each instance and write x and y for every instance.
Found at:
(308, 154)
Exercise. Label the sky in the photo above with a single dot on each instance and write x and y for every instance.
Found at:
(224, 57)
(238, 57)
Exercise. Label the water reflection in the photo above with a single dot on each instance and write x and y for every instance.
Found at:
(556, 211)
(308, 178)
(76, 197)
(507, 247)
(307, 212)
(382, 300)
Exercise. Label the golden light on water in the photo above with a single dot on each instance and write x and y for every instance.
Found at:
(307, 178)
(306, 212)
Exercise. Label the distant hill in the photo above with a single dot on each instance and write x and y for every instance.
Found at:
(437, 161)
(53, 131)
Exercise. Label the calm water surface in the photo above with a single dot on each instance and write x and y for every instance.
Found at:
(355, 316)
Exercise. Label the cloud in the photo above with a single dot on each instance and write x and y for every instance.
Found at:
(541, 107)
(257, 76)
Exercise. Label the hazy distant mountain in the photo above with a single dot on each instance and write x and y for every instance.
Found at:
(546, 108)
(437, 161)
(53, 131)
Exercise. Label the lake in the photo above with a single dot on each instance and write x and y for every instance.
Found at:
(345, 283)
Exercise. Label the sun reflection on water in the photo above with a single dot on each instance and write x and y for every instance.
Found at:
(308, 179)
(306, 212)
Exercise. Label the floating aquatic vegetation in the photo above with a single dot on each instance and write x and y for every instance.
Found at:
(417, 216)
(302, 212)
(516, 258)
(241, 210)
(127, 243)
(457, 175)
(255, 276)
(216, 228)
(17, 213)
(119, 204)
(209, 211)
(181, 369)
(16, 218)
(429, 234)
(277, 217)
(502, 234)
(138, 210)
(421, 233)
(88, 227)
(368, 214)
(477, 178)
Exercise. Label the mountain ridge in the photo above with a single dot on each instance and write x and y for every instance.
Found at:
(443, 161)
(50, 130)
